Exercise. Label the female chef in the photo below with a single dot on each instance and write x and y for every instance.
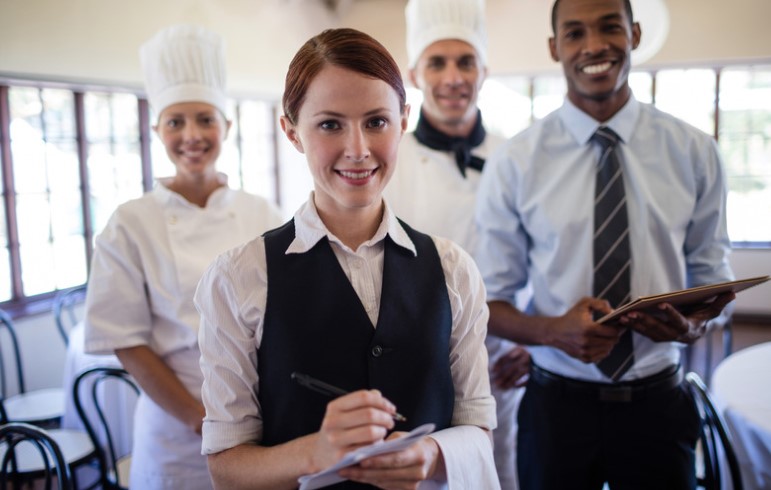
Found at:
(151, 254)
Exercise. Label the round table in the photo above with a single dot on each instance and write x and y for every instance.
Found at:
(741, 386)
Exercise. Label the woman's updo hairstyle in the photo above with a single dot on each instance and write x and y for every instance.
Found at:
(345, 48)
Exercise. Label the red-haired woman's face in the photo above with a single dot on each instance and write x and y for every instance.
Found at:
(349, 128)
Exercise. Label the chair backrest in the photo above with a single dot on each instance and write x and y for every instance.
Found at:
(5, 321)
(702, 349)
(14, 437)
(715, 439)
(63, 310)
(87, 393)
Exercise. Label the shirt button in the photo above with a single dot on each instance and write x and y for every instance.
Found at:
(377, 351)
(173, 219)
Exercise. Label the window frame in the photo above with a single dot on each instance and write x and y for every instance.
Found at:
(21, 305)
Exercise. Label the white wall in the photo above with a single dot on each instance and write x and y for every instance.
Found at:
(751, 263)
(98, 39)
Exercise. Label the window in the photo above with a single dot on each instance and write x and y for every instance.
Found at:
(414, 99)
(114, 153)
(46, 182)
(252, 128)
(506, 104)
(548, 94)
(71, 155)
(5, 262)
(641, 84)
(745, 143)
(689, 95)
(732, 103)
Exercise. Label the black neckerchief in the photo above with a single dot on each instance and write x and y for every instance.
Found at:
(437, 140)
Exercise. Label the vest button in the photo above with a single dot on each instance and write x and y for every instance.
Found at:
(377, 351)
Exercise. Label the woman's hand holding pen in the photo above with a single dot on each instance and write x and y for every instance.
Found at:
(401, 470)
(351, 421)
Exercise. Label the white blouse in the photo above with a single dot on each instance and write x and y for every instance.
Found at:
(231, 298)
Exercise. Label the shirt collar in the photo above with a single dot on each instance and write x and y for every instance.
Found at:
(582, 126)
(309, 229)
(219, 198)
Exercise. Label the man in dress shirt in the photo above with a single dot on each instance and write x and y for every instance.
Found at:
(435, 183)
(578, 427)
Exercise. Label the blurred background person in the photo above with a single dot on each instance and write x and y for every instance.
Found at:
(435, 185)
(150, 256)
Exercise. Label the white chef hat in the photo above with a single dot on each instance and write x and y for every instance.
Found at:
(184, 63)
(429, 21)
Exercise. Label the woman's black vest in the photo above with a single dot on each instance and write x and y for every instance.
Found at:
(316, 324)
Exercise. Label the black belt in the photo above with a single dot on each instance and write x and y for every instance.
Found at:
(627, 391)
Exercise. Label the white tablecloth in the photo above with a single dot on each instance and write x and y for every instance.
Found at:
(741, 386)
(118, 402)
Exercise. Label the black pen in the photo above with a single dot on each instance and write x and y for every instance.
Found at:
(329, 390)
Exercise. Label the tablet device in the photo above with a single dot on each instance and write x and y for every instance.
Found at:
(686, 300)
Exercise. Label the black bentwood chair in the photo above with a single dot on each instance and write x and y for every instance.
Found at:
(29, 453)
(89, 400)
(715, 441)
(63, 310)
(43, 407)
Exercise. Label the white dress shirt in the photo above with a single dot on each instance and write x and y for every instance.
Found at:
(536, 209)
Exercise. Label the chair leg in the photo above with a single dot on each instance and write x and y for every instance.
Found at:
(708, 359)
(685, 358)
(728, 339)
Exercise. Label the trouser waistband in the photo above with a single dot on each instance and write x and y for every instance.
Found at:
(623, 392)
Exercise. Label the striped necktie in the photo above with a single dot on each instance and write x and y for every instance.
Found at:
(612, 253)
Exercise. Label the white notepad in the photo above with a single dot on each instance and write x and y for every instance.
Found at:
(329, 476)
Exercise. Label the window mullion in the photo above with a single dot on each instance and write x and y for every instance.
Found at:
(81, 139)
(717, 104)
(276, 154)
(239, 143)
(144, 144)
(531, 94)
(9, 196)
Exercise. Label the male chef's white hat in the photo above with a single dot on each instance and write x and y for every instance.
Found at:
(184, 63)
(429, 21)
